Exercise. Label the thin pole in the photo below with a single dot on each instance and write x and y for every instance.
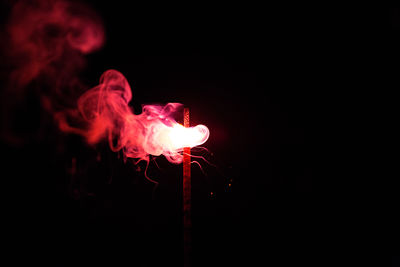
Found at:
(187, 191)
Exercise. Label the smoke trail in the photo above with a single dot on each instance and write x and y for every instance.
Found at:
(43, 46)
(48, 40)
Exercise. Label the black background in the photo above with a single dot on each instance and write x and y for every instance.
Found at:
(252, 75)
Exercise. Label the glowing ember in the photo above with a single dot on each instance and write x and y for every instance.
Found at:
(153, 132)
(181, 137)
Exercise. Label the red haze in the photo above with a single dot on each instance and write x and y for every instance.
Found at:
(47, 37)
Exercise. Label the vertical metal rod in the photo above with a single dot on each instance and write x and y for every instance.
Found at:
(187, 192)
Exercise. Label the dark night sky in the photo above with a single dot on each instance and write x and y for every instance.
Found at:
(251, 74)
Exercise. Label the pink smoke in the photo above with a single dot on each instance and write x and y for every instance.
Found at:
(155, 132)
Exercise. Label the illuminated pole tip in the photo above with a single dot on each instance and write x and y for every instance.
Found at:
(187, 223)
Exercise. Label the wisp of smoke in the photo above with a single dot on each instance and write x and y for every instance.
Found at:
(49, 38)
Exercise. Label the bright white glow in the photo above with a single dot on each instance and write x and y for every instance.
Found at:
(187, 137)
